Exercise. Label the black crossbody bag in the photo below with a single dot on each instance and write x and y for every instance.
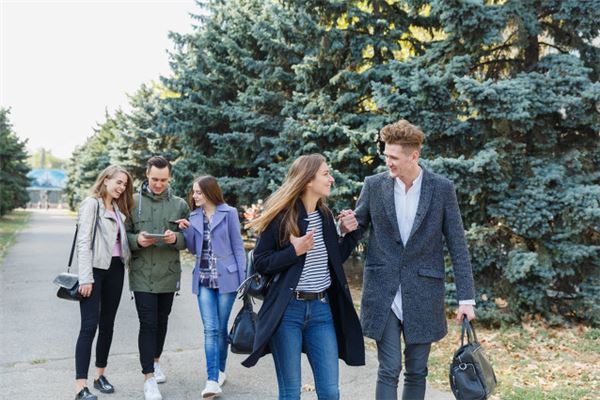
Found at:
(256, 284)
(68, 284)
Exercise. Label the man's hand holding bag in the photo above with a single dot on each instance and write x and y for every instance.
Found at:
(471, 374)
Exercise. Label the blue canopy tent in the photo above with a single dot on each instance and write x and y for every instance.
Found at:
(47, 187)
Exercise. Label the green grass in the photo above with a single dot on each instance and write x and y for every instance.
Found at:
(532, 361)
(567, 393)
(10, 224)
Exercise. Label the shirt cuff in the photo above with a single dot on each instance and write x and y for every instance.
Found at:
(470, 302)
(339, 229)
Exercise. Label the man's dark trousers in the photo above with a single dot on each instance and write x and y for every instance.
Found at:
(389, 355)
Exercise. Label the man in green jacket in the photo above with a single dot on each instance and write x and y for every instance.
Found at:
(155, 271)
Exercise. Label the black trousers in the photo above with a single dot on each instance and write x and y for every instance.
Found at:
(153, 312)
(99, 311)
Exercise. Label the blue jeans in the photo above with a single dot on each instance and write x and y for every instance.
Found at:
(389, 354)
(215, 309)
(308, 326)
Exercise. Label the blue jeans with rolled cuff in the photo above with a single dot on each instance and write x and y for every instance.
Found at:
(215, 309)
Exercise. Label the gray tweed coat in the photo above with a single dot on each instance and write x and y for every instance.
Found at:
(419, 266)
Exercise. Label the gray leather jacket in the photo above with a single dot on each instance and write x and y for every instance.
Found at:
(100, 254)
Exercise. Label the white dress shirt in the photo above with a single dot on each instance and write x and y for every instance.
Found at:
(406, 209)
(406, 203)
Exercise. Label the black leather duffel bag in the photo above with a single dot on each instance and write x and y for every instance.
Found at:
(471, 374)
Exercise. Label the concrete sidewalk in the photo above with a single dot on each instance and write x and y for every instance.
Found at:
(38, 333)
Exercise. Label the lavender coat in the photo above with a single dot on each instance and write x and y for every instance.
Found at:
(227, 246)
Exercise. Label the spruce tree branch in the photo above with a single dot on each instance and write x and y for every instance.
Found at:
(573, 40)
(507, 43)
(496, 61)
(554, 46)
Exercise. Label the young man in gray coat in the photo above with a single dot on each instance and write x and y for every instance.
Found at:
(410, 212)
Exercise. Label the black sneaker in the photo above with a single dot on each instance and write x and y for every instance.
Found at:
(85, 394)
(103, 385)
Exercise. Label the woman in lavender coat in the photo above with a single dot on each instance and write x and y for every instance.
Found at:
(213, 235)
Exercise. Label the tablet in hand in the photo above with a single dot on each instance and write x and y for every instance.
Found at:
(154, 235)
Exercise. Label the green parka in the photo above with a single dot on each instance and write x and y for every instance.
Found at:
(157, 268)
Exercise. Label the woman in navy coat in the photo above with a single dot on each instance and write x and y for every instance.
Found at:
(308, 307)
(213, 235)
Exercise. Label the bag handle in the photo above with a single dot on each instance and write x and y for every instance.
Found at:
(75, 236)
(467, 328)
(247, 302)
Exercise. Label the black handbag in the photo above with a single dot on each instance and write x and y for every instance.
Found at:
(68, 284)
(471, 374)
(255, 284)
(241, 336)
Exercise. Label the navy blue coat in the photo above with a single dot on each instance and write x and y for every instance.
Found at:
(271, 258)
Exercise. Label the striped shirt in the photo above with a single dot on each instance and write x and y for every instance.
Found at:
(315, 273)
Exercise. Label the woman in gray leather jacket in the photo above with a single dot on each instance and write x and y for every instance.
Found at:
(102, 254)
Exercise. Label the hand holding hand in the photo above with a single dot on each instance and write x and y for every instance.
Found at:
(145, 241)
(170, 237)
(348, 222)
(303, 244)
(183, 223)
(465, 309)
(85, 290)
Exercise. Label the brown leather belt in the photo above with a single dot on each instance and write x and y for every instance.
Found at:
(309, 295)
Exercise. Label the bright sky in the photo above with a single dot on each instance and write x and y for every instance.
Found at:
(62, 63)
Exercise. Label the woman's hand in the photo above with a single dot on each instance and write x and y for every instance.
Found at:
(348, 222)
(303, 244)
(183, 223)
(85, 290)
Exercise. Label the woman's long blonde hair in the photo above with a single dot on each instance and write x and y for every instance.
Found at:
(283, 200)
(125, 200)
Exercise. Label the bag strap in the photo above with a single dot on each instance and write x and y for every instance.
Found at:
(95, 224)
(72, 248)
(75, 237)
(467, 328)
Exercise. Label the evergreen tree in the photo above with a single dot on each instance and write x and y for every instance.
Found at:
(211, 69)
(508, 97)
(262, 82)
(137, 133)
(88, 161)
(13, 167)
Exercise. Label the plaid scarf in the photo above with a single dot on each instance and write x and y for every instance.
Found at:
(208, 261)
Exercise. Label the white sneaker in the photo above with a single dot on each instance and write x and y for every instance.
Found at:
(222, 378)
(158, 374)
(211, 390)
(151, 391)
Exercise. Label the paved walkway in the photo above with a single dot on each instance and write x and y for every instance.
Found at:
(38, 333)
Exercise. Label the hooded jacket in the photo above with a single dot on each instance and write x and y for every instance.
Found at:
(157, 268)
